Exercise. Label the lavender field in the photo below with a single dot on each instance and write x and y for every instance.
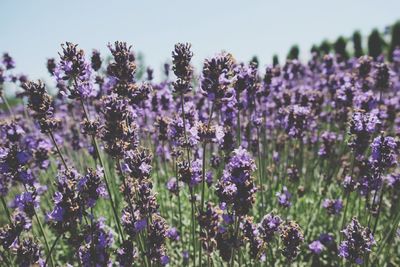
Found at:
(236, 164)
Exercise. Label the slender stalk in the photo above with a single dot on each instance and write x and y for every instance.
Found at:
(347, 196)
(6, 208)
(193, 207)
(260, 169)
(203, 180)
(7, 105)
(204, 161)
(109, 191)
(51, 249)
(94, 141)
(386, 239)
(43, 234)
(237, 222)
(379, 212)
(58, 149)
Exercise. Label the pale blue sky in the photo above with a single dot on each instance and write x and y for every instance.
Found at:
(32, 30)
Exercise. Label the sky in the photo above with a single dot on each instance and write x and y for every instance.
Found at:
(32, 30)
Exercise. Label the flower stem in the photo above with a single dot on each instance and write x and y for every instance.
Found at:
(6, 208)
(43, 234)
(51, 249)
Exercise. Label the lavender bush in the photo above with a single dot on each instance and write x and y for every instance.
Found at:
(237, 165)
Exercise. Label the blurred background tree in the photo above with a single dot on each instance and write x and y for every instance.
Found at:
(395, 42)
(357, 44)
(293, 52)
(275, 60)
(375, 44)
(325, 47)
(340, 47)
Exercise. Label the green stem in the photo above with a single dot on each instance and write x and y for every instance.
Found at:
(6, 209)
(43, 234)
(116, 217)
(51, 249)
(58, 150)
(7, 105)
(109, 191)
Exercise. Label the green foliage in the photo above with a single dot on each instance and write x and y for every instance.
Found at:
(375, 44)
(275, 60)
(395, 42)
(294, 52)
(340, 47)
(357, 44)
(325, 47)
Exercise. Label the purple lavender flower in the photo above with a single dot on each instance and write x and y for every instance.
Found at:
(284, 197)
(252, 235)
(93, 251)
(182, 68)
(358, 241)
(74, 67)
(173, 186)
(236, 187)
(327, 148)
(126, 254)
(156, 240)
(384, 152)
(8, 61)
(215, 76)
(316, 247)
(26, 202)
(362, 126)
(69, 205)
(268, 226)
(28, 253)
(138, 163)
(91, 187)
(292, 238)
(333, 206)
(95, 60)
(10, 233)
(173, 234)
(192, 174)
(209, 221)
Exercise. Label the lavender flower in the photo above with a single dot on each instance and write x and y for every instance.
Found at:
(126, 254)
(292, 238)
(69, 206)
(362, 126)
(8, 61)
(358, 241)
(95, 60)
(252, 235)
(316, 247)
(40, 103)
(74, 67)
(182, 68)
(96, 242)
(333, 206)
(384, 152)
(156, 240)
(28, 253)
(296, 120)
(215, 76)
(268, 226)
(236, 187)
(91, 187)
(284, 197)
(27, 202)
(209, 221)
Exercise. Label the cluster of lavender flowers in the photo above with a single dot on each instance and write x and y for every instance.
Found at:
(237, 164)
